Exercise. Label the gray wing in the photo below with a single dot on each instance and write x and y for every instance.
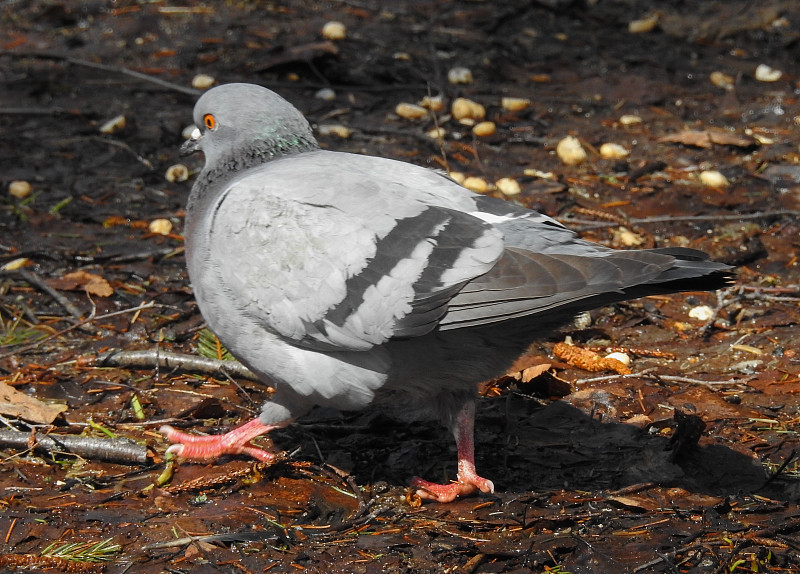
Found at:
(333, 261)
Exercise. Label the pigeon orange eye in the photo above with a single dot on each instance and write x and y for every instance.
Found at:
(209, 121)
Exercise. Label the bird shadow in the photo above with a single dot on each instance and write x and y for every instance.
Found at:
(523, 446)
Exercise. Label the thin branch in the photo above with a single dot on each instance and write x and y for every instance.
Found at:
(79, 324)
(166, 360)
(105, 68)
(112, 450)
(39, 283)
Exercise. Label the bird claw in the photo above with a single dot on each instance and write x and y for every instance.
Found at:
(210, 448)
(449, 492)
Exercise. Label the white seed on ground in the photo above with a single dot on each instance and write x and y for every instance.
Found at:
(765, 73)
(203, 81)
(701, 312)
(410, 111)
(177, 172)
(484, 129)
(457, 177)
(514, 104)
(643, 25)
(623, 358)
(629, 120)
(187, 132)
(160, 226)
(334, 31)
(15, 264)
(337, 130)
(713, 178)
(325, 94)
(508, 186)
(583, 320)
(613, 151)
(113, 125)
(627, 237)
(433, 103)
(459, 75)
(722, 80)
(476, 184)
(20, 189)
(464, 109)
(437, 133)
(533, 172)
(570, 151)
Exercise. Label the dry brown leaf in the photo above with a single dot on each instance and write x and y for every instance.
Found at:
(588, 360)
(89, 282)
(13, 403)
(706, 138)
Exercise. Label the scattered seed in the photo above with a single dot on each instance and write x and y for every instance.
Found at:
(433, 103)
(701, 312)
(437, 133)
(160, 226)
(459, 75)
(177, 172)
(508, 186)
(613, 151)
(113, 125)
(713, 178)
(186, 133)
(629, 120)
(532, 172)
(20, 189)
(482, 129)
(457, 177)
(464, 109)
(476, 184)
(402, 56)
(643, 25)
(722, 80)
(583, 320)
(334, 31)
(623, 358)
(627, 237)
(410, 111)
(203, 81)
(514, 104)
(337, 130)
(325, 94)
(570, 151)
(765, 73)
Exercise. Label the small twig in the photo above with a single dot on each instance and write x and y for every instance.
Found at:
(39, 283)
(77, 325)
(162, 359)
(112, 450)
(105, 68)
(243, 536)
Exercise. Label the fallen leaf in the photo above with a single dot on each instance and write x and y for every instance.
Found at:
(706, 138)
(14, 403)
(89, 282)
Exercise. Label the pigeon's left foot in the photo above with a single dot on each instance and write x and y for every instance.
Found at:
(468, 480)
(210, 448)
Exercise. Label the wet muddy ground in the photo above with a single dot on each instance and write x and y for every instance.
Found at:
(689, 464)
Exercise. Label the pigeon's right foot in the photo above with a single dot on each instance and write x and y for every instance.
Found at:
(210, 448)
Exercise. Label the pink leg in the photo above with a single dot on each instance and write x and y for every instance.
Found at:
(468, 480)
(209, 448)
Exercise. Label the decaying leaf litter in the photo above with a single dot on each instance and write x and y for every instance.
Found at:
(596, 471)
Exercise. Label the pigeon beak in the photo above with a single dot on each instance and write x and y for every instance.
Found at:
(192, 144)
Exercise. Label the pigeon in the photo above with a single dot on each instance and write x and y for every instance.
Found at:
(349, 281)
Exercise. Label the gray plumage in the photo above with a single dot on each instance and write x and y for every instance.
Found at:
(342, 278)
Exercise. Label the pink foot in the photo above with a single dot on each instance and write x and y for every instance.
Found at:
(209, 448)
(449, 492)
(468, 480)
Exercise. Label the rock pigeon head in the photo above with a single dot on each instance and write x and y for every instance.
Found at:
(242, 125)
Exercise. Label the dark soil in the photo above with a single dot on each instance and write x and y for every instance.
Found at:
(688, 465)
